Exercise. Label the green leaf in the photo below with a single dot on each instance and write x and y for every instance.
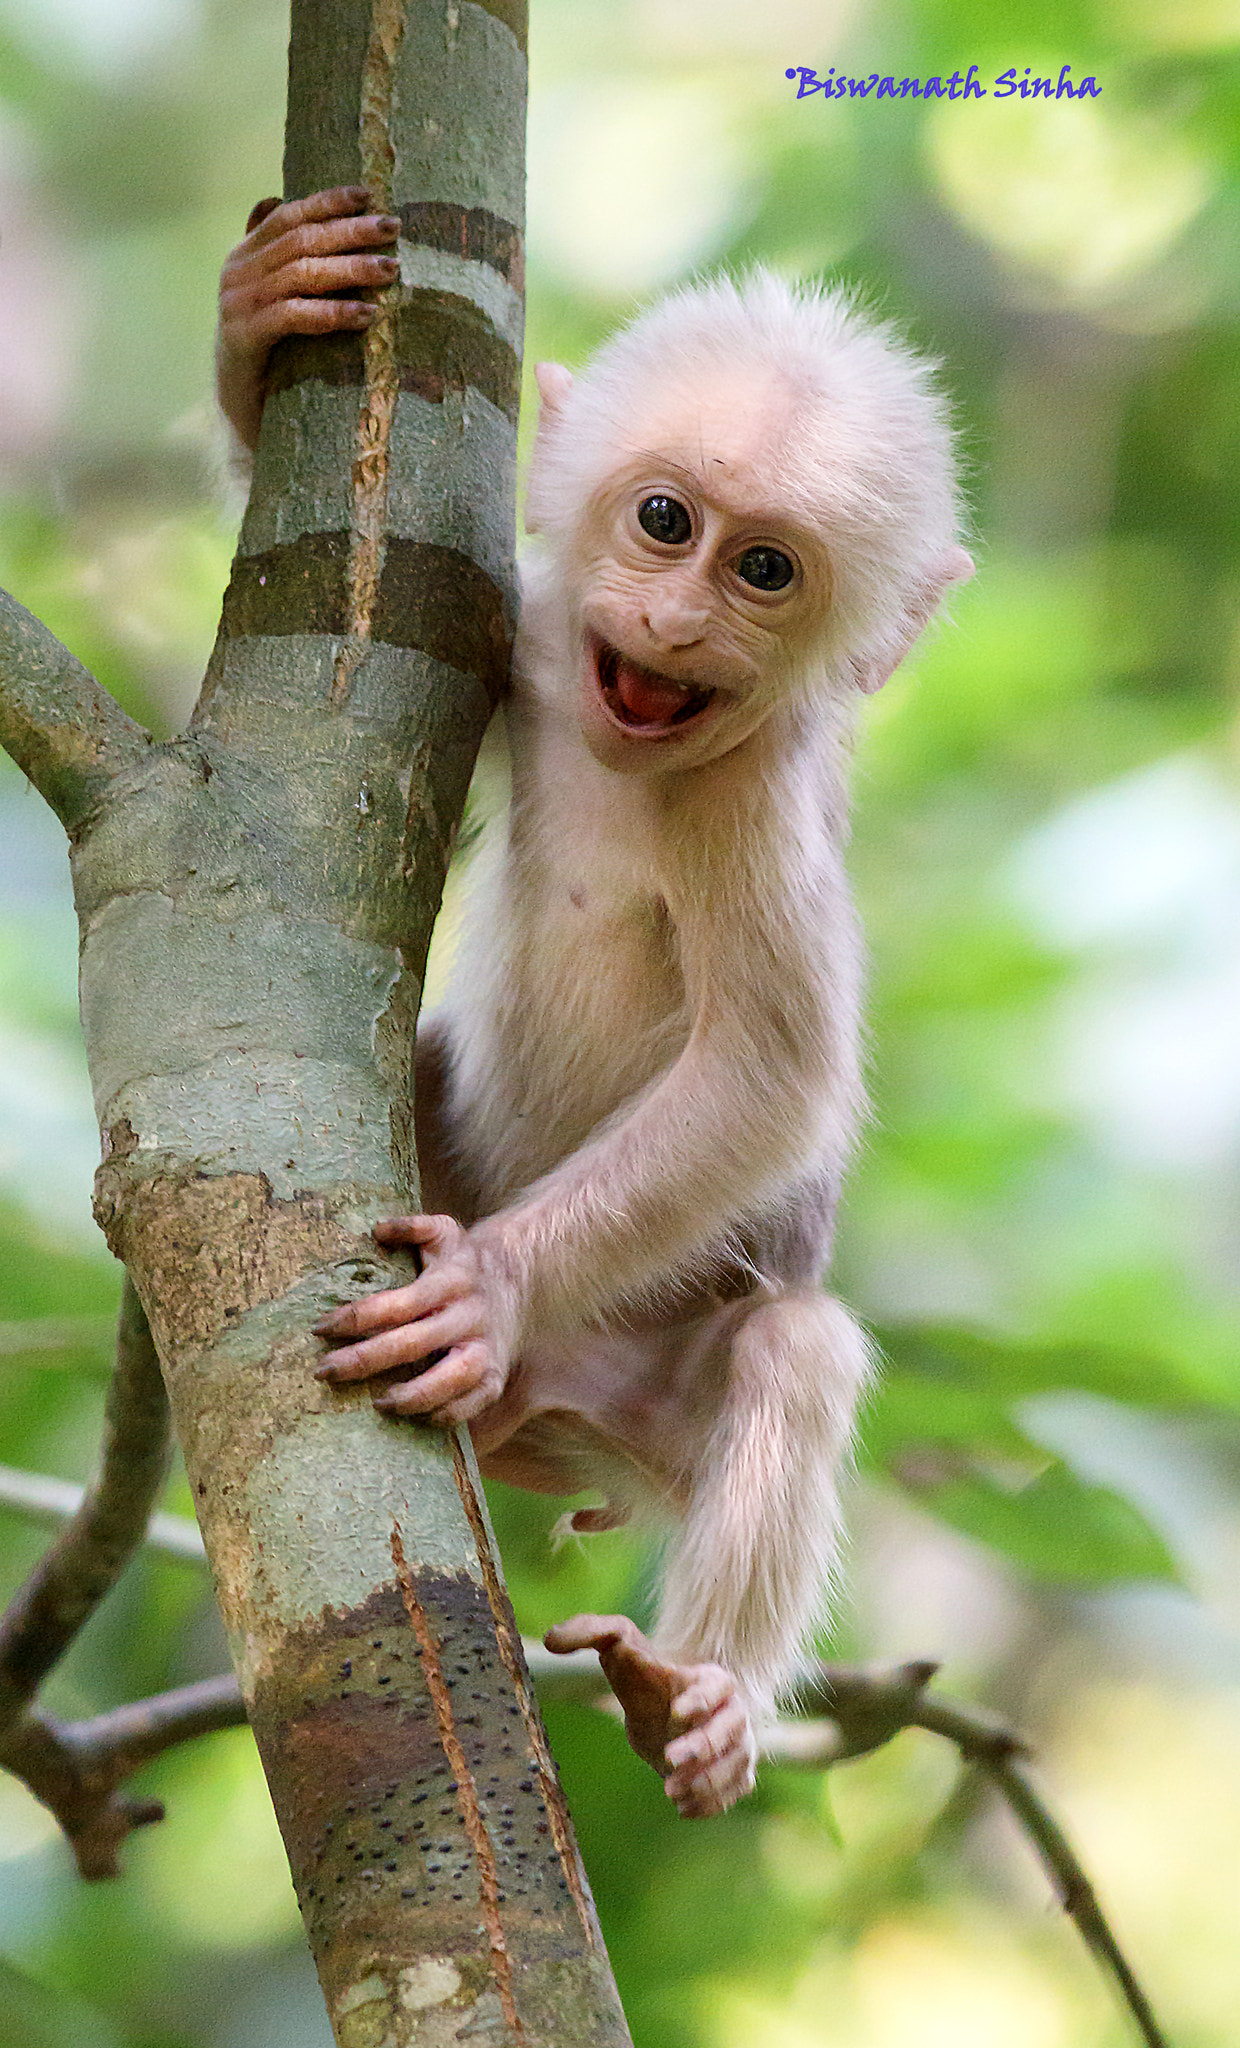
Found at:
(957, 1450)
(1014, 1369)
(1057, 1526)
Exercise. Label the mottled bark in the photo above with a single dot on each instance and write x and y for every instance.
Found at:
(255, 900)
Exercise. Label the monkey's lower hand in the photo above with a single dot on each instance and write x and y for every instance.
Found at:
(688, 1721)
(459, 1307)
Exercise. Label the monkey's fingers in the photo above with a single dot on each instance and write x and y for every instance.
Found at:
(283, 317)
(454, 1389)
(643, 1682)
(312, 277)
(716, 1788)
(353, 237)
(589, 1632)
(713, 1762)
(259, 212)
(433, 1290)
(405, 1345)
(438, 1234)
(272, 218)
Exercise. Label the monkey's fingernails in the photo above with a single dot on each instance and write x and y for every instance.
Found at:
(337, 1365)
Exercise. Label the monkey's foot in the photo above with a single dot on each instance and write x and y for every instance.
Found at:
(690, 1722)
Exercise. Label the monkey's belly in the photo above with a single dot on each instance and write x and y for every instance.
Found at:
(627, 1410)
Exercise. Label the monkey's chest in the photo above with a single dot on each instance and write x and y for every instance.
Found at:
(595, 1010)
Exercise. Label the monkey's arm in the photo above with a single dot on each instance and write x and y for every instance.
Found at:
(767, 1085)
(274, 283)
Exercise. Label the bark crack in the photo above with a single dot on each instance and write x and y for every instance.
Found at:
(370, 461)
(466, 1790)
(509, 1643)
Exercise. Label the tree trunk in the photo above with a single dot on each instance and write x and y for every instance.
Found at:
(255, 900)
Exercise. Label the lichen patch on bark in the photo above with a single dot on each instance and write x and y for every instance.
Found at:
(203, 1249)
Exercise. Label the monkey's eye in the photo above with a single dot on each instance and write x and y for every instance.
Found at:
(765, 568)
(665, 519)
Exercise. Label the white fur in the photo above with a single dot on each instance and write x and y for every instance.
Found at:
(654, 1012)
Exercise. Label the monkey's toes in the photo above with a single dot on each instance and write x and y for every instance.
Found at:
(690, 1722)
(712, 1762)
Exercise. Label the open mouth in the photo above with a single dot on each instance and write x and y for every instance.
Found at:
(641, 699)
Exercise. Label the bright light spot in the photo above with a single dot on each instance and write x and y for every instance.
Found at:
(713, 29)
(629, 184)
(1145, 876)
(1189, 25)
(1084, 198)
(49, 1140)
(111, 37)
(25, 1825)
(1155, 856)
(219, 1822)
(934, 1986)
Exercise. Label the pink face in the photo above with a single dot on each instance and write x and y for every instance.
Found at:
(694, 606)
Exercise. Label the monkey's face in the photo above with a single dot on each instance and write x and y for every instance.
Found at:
(694, 612)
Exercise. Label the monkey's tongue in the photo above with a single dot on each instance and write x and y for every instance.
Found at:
(647, 698)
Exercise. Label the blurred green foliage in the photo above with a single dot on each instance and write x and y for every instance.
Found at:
(1043, 1222)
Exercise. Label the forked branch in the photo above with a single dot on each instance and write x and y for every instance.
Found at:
(63, 730)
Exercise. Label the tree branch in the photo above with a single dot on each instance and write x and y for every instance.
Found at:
(76, 1768)
(868, 1708)
(89, 1555)
(58, 1500)
(63, 730)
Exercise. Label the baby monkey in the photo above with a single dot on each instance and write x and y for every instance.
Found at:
(636, 1103)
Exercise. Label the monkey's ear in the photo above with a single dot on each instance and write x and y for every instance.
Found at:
(554, 384)
(954, 567)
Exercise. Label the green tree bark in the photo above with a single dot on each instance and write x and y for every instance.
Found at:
(255, 899)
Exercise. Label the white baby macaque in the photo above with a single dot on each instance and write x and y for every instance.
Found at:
(636, 1104)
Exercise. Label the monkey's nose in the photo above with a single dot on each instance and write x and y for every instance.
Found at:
(678, 629)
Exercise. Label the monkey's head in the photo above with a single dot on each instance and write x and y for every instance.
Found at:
(749, 497)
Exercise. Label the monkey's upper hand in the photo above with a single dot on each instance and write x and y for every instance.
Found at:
(455, 1324)
(279, 281)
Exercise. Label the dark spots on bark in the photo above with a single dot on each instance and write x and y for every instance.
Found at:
(374, 1821)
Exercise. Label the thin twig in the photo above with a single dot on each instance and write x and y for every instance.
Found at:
(75, 1768)
(128, 1737)
(43, 1498)
(869, 1708)
(1076, 1893)
(91, 1552)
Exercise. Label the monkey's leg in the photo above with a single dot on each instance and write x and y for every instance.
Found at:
(747, 1578)
(749, 1574)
